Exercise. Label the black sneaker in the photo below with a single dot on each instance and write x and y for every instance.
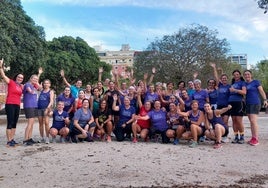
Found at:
(241, 140)
(10, 144)
(14, 142)
(27, 143)
(73, 139)
(32, 141)
(235, 140)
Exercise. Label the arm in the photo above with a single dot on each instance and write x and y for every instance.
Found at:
(91, 120)
(243, 91)
(223, 110)
(215, 72)
(143, 117)
(52, 97)
(152, 76)
(263, 95)
(91, 103)
(139, 98)
(6, 79)
(207, 124)
(114, 107)
(75, 104)
(64, 79)
(100, 74)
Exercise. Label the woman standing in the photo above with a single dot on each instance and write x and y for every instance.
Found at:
(237, 92)
(45, 104)
(253, 104)
(30, 106)
(12, 105)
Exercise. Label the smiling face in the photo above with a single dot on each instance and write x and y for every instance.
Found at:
(248, 76)
(19, 78)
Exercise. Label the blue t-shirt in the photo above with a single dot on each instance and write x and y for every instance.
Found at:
(223, 94)
(125, 114)
(151, 97)
(83, 118)
(68, 102)
(43, 100)
(213, 96)
(235, 97)
(158, 120)
(201, 96)
(58, 119)
(75, 91)
(29, 99)
(252, 96)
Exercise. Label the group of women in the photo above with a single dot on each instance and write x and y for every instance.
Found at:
(138, 111)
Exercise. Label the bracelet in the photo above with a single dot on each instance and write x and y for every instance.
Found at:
(265, 100)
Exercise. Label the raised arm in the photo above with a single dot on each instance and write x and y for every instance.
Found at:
(114, 107)
(215, 73)
(100, 74)
(223, 110)
(152, 76)
(64, 79)
(6, 79)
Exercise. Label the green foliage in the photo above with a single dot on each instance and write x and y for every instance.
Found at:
(263, 4)
(260, 73)
(176, 57)
(76, 58)
(23, 43)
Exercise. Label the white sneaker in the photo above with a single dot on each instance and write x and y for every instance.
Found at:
(47, 140)
(53, 140)
(41, 140)
(62, 140)
(224, 139)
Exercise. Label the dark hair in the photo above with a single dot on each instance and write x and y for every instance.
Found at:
(182, 82)
(106, 107)
(85, 99)
(248, 71)
(15, 77)
(241, 78)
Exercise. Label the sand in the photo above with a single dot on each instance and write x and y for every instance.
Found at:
(125, 164)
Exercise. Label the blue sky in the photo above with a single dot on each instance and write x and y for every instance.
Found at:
(138, 22)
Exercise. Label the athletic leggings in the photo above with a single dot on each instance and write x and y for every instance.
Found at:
(13, 112)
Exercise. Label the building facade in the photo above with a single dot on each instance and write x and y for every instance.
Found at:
(241, 59)
(119, 60)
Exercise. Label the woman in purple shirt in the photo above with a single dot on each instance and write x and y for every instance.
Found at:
(253, 104)
(123, 127)
(30, 106)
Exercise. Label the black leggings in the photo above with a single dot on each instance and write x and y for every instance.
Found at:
(13, 112)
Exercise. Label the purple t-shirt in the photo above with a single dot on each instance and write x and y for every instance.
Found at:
(151, 97)
(235, 97)
(158, 120)
(201, 96)
(68, 102)
(252, 96)
(58, 119)
(223, 94)
(83, 118)
(125, 114)
(29, 99)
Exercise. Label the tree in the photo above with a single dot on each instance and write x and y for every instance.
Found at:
(178, 56)
(23, 44)
(76, 58)
(263, 4)
(260, 73)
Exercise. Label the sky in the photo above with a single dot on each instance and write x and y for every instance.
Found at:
(111, 23)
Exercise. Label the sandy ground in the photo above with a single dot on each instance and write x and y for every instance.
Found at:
(125, 164)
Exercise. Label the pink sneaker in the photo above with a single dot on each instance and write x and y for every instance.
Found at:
(109, 139)
(217, 146)
(135, 140)
(254, 141)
